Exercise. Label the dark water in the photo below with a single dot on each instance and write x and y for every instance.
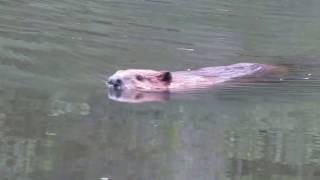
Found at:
(56, 121)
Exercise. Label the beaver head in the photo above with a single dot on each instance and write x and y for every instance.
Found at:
(140, 80)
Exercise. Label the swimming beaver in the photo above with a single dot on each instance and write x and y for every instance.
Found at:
(165, 81)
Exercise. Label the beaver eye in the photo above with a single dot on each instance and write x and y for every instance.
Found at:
(138, 96)
(139, 77)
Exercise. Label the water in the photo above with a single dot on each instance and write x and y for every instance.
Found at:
(56, 121)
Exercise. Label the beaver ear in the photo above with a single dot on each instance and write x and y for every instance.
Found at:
(165, 76)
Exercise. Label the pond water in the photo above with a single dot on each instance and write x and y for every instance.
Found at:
(57, 122)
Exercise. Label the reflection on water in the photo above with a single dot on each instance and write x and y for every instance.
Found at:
(131, 96)
(56, 121)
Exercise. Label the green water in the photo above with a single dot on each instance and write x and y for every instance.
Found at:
(56, 121)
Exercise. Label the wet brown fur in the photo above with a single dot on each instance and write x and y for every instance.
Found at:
(162, 81)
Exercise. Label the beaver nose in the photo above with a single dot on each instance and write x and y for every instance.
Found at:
(115, 83)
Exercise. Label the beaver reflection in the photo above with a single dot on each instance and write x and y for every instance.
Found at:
(132, 96)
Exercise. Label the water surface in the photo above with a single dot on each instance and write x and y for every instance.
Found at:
(56, 121)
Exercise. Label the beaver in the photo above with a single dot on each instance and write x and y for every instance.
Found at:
(146, 80)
